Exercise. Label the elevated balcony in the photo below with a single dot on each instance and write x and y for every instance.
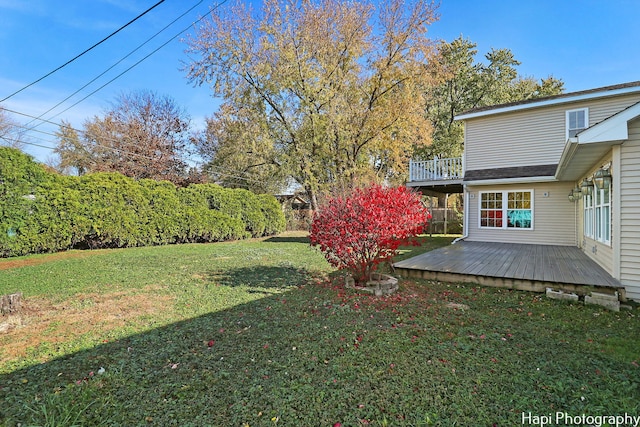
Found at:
(439, 175)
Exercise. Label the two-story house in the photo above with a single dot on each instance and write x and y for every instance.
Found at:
(557, 172)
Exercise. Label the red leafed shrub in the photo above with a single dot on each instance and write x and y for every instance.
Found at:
(364, 229)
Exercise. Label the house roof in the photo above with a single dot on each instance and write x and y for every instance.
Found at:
(290, 188)
(601, 92)
(535, 171)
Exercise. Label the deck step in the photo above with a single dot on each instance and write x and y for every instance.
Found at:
(561, 295)
(612, 302)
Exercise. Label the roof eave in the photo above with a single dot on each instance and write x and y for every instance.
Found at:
(543, 102)
(568, 153)
(503, 181)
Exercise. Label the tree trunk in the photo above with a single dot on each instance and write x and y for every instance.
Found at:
(313, 199)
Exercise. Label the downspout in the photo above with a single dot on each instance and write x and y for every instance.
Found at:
(465, 216)
(465, 219)
(616, 209)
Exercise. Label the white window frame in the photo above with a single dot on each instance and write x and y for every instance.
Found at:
(597, 215)
(505, 208)
(568, 127)
(587, 205)
(602, 215)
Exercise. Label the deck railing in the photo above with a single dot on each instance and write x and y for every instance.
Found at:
(436, 169)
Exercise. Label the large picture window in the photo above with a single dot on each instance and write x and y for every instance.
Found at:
(491, 210)
(507, 209)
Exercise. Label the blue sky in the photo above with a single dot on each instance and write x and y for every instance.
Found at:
(585, 43)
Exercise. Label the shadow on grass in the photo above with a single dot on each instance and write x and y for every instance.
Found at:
(288, 239)
(216, 369)
(309, 357)
(262, 277)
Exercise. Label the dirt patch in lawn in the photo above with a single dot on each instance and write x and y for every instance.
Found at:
(41, 321)
(7, 264)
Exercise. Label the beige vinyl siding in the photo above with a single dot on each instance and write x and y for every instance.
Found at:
(534, 136)
(507, 139)
(553, 216)
(630, 212)
(605, 108)
(601, 253)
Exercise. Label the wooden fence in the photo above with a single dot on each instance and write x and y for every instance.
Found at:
(445, 221)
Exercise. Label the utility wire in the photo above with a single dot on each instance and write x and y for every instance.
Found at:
(108, 69)
(144, 58)
(33, 118)
(128, 69)
(18, 140)
(122, 151)
(85, 51)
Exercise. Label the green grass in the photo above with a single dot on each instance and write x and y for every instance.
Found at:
(262, 333)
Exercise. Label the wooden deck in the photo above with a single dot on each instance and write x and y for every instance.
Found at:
(517, 266)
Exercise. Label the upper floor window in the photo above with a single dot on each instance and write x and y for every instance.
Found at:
(577, 120)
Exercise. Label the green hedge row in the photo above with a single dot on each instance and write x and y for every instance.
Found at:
(45, 212)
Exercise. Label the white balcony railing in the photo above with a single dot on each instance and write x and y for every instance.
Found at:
(436, 169)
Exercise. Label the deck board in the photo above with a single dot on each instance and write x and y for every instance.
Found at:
(544, 263)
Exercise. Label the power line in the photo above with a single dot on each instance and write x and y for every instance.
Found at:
(109, 69)
(120, 150)
(85, 51)
(144, 58)
(240, 175)
(131, 67)
(19, 141)
(33, 118)
(219, 171)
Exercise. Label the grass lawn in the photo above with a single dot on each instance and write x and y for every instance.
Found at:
(262, 333)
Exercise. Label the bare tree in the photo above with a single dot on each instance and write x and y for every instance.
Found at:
(143, 135)
(11, 133)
